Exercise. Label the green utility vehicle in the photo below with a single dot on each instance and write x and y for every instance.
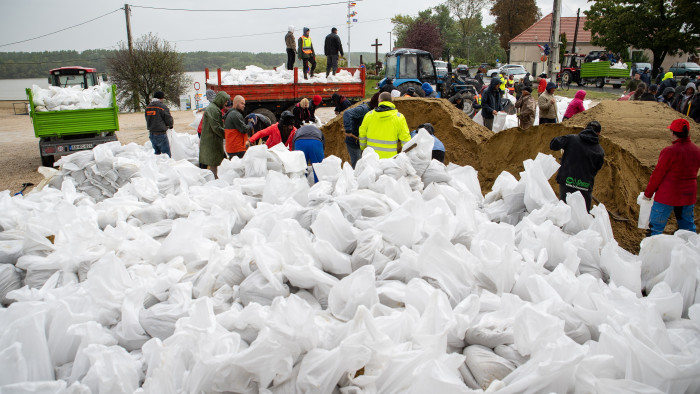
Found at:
(64, 132)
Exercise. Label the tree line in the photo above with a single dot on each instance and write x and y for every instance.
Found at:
(455, 30)
(15, 65)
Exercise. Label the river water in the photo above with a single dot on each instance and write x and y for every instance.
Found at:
(14, 89)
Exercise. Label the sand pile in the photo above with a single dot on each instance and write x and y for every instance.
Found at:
(639, 127)
(460, 134)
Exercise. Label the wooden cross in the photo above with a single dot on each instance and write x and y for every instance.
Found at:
(376, 46)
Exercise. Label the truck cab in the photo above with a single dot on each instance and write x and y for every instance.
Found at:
(73, 76)
(411, 68)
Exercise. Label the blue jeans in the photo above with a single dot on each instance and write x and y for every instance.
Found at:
(355, 153)
(160, 143)
(660, 213)
(313, 151)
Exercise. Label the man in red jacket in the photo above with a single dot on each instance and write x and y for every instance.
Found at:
(674, 181)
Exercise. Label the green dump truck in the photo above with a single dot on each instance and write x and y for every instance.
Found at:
(67, 131)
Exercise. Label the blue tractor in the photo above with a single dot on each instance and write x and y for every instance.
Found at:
(410, 68)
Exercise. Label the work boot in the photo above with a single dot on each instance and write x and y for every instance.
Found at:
(306, 76)
(312, 74)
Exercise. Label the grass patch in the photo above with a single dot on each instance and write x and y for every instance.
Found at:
(590, 95)
(370, 87)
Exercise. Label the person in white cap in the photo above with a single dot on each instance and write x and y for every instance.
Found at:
(291, 47)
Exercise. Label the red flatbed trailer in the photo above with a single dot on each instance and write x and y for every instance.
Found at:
(272, 99)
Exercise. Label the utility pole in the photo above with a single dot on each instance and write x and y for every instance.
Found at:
(554, 39)
(376, 46)
(391, 46)
(127, 11)
(573, 48)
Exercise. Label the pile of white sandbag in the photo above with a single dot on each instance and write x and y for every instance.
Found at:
(280, 75)
(59, 99)
(395, 276)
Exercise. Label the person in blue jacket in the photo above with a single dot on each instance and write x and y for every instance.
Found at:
(438, 146)
(429, 92)
(352, 119)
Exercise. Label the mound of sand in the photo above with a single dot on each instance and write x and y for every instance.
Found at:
(639, 127)
(457, 131)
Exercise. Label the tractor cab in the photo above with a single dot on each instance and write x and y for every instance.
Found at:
(411, 68)
(73, 76)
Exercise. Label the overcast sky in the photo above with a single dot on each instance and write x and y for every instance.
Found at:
(254, 31)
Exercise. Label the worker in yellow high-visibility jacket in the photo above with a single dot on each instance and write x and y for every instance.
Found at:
(306, 53)
(383, 128)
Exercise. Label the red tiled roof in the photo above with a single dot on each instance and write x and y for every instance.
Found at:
(543, 27)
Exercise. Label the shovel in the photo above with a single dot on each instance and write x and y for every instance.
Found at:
(611, 213)
(24, 187)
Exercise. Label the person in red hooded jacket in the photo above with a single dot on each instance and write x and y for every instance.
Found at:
(673, 183)
(576, 105)
(282, 131)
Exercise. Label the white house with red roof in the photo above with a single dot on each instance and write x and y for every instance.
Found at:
(524, 47)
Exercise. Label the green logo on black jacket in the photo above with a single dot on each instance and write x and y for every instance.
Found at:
(577, 183)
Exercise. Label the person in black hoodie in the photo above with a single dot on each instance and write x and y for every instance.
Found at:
(582, 159)
(331, 48)
(341, 103)
(158, 121)
(491, 102)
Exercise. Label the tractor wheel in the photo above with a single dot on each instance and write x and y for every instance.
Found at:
(47, 161)
(267, 113)
(404, 87)
(566, 78)
(600, 83)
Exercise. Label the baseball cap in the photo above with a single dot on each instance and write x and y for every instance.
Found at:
(159, 95)
(678, 125)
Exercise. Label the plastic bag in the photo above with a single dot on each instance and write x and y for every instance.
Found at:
(486, 366)
(10, 279)
(177, 150)
(352, 291)
(499, 121)
(331, 226)
(644, 211)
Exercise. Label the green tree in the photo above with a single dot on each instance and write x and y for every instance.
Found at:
(486, 48)
(562, 47)
(467, 14)
(665, 27)
(513, 17)
(154, 65)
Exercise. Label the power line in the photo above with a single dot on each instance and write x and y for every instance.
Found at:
(58, 31)
(241, 10)
(268, 33)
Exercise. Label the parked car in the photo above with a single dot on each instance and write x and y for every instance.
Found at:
(639, 67)
(518, 73)
(440, 68)
(685, 69)
(462, 69)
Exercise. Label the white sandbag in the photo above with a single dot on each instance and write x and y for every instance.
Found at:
(256, 288)
(510, 353)
(533, 328)
(499, 121)
(644, 211)
(623, 268)
(352, 291)
(489, 337)
(331, 226)
(10, 279)
(486, 366)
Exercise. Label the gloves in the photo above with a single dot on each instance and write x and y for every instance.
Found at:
(645, 198)
(252, 118)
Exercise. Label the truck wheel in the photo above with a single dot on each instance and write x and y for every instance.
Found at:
(616, 86)
(47, 161)
(404, 87)
(267, 113)
(599, 83)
